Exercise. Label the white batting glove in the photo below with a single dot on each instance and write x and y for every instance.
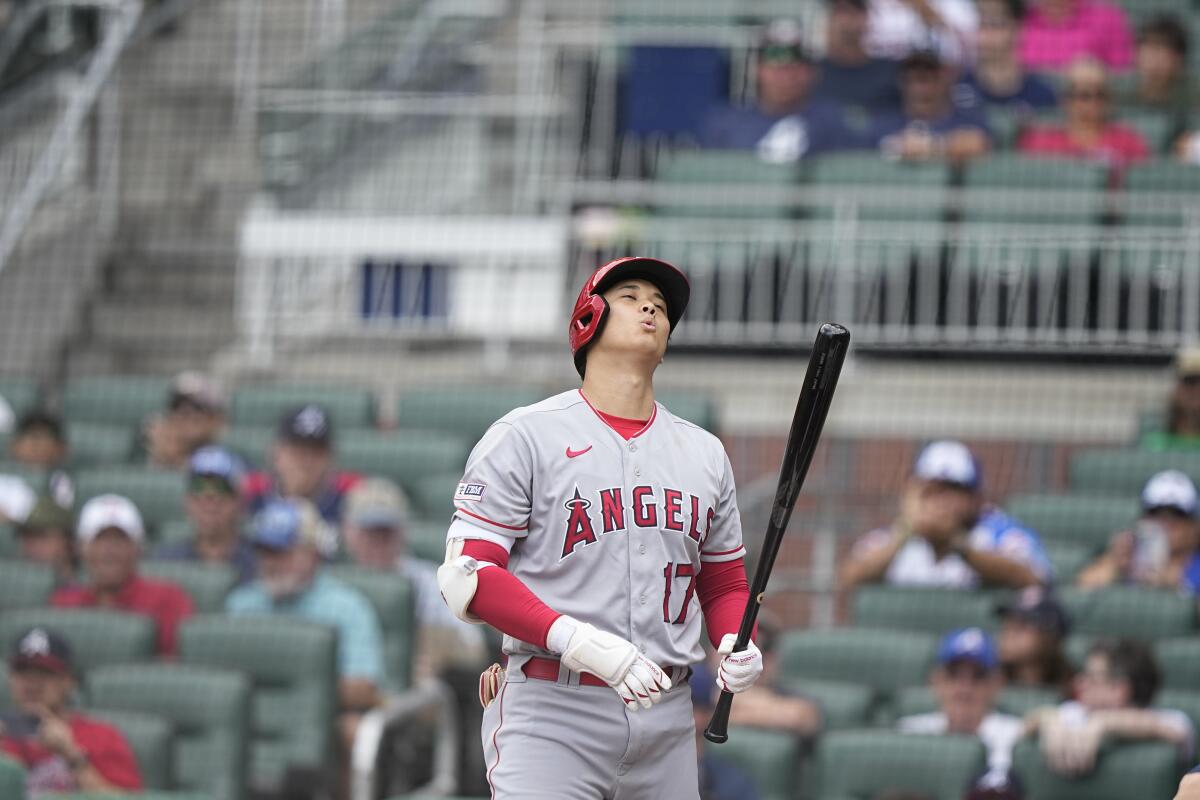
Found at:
(738, 671)
(636, 679)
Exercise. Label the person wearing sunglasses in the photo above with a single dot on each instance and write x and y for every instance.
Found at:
(1088, 130)
(216, 512)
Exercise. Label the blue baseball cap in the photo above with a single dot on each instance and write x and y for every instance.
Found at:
(283, 524)
(968, 644)
(948, 461)
(1170, 489)
(217, 462)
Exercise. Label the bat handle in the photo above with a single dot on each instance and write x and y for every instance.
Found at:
(717, 731)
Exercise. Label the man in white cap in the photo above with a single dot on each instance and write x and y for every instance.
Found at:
(945, 535)
(1164, 548)
(110, 536)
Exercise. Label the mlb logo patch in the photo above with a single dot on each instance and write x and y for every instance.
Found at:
(470, 491)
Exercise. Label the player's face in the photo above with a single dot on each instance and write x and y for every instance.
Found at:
(966, 693)
(637, 321)
(1098, 689)
(300, 468)
(36, 689)
(111, 559)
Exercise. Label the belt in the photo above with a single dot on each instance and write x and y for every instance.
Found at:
(547, 669)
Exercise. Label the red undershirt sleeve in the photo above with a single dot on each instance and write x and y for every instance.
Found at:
(723, 592)
(503, 601)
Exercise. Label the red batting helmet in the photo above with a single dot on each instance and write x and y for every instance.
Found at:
(591, 308)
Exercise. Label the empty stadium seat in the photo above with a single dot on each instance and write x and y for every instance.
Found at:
(1179, 660)
(1129, 611)
(464, 411)
(21, 394)
(1123, 472)
(843, 705)
(428, 539)
(158, 494)
(149, 736)
(1148, 193)
(8, 541)
(433, 497)
(1123, 771)
(207, 708)
(97, 637)
(251, 443)
(1016, 172)
(293, 668)
(866, 170)
(395, 603)
(713, 170)
(882, 659)
(1083, 519)
(348, 407)
(913, 700)
(404, 456)
(5, 696)
(97, 443)
(207, 584)
(768, 757)
(24, 584)
(923, 609)
(856, 765)
(116, 400)
(12, 778)
(1067, 559)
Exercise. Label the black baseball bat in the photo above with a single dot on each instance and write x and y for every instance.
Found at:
(824, 367)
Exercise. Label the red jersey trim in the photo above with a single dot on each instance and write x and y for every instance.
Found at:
(721, 552)
(491, 522)
(600, 416)
(495, 735)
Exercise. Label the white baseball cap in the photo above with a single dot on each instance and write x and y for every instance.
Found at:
(1171, 489)
(948, 461)
(16, 498)
(109, 511)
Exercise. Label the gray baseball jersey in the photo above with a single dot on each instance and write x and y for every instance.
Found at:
(609, 531)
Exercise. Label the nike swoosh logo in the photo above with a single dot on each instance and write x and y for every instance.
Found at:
(573, 453)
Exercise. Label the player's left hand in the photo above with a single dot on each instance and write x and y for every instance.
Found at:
(738, 671)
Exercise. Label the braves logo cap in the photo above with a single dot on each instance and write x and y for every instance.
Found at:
(308, 424)
(109, 511)
(968, 644)
(948, 461)
(1170, 489)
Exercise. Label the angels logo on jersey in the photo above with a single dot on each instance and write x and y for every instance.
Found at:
(648, 512)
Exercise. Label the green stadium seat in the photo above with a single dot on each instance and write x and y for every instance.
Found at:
(1129, 611)
(1020, 700)
(8, 541)
(158, 494)
(768, 757)
(1123, 771)
(21, 394)
(1180, 700)
(404, 456)
(207, 708)
(395, 603)
(464, 411)
(1077, 646)
(843, 705)
(97, 443)
(174, 531)
(1081, 519)
(433, 497)
(1016, 172)
(151, 795)
(856, 765)
(252, 443)
(1067, 558)
(98, 638)
(24, 584)
(36, 478)
(12, 778)
(866, 170)
(913, 700)
(696, 407)
(348, 407)
(149, 737)
(1179, 660)
(1149, 189)
(207, 584)
(914, 608)
(720, 169)
(5, 696)
(1152, 420)
(293, 668)
(116, 400)
(427, 538)
(1125, 471)
(885, 660)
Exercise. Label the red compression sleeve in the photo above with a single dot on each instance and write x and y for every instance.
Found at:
(503, 601)
(723, 593)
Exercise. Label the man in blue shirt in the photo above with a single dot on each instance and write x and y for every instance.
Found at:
(848, 75)
(998, 79)
(287, 535)
(782, 125)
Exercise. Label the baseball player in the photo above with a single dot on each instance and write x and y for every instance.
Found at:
(595, 529)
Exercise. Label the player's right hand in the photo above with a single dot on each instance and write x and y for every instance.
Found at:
(636, 679)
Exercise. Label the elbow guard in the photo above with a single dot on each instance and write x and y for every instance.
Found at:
(458, 579)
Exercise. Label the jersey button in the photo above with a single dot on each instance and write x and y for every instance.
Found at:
(642, 599)
(637, 472)
(642, 549)
(633, 447)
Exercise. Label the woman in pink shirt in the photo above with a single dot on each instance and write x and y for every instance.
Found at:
(1056, 32)
(1087, 131)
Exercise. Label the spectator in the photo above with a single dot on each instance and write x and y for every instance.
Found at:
(1183, 408)
(214, 508)
(60, 749)
(45, 536)
(375, 533)
(39, 441)
(1189, 787)
(783, 125)
(1161, 82)
(998, 79)
(303, 467)
(1164, 549)
(1113, 696)
(1033, 628)
(766, 705)
(945, 535)
(1088, 131)
(286, 535)
(195, 417)
(720, 779)
(966, 682)
(1057, 32)
(16, 499)
(848, 75)
(898, 27)
(930, 126)
(110, 536)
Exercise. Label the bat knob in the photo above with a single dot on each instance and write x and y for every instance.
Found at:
(716, 738)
